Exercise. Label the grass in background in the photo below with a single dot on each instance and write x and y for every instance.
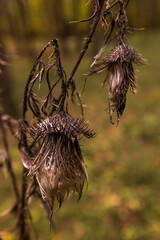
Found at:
(122, 199)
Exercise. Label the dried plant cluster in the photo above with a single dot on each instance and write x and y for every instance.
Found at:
(48, 133)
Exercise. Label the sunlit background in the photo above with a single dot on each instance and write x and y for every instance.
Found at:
(122, 201)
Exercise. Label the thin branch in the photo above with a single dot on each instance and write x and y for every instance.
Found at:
(88, 40)
(85, 20)
(22, 225)
(112, 23)
(23, 233)
(8, 159)
(111, 6)
(127, 3)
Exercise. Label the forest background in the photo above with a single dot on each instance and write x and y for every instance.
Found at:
(122, 199)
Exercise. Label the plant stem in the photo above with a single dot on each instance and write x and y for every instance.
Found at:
(23, 231)
(88, 40)
(8, 160)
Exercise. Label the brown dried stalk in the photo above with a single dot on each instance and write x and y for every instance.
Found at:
(7, 156)
(17, 206)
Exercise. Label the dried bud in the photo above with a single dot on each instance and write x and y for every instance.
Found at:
(120, 76)
(57, 162)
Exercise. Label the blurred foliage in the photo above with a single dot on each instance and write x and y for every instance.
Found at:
(122, 199)
(29, 19)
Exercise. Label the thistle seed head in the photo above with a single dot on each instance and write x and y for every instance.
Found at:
(124, 53)
(59, 168)
(54, 156)
(120, 76)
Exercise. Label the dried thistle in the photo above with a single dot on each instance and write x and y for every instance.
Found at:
(48, 143)
(120, 76)
(57, 162)
(119, 62)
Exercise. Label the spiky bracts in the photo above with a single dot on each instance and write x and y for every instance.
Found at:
(55, 157)
(64, 124)
(120, 76)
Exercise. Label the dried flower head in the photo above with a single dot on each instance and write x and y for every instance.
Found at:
(120, 76)
(57, 162)
(49, 143)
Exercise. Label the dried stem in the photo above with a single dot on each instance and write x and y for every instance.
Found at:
(96, 17)
(20, 202)
(23, 231)
(127, 3)
(88, 40)
(8, 160)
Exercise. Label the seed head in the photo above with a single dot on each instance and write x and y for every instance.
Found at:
(55, 156)
(120, 76)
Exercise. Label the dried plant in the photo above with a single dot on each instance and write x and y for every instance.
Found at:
(48, 134)
(49, 144)
(56, 162)
(118, 64)
(120, 76)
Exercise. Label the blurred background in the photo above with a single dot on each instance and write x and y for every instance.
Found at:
(123, 163)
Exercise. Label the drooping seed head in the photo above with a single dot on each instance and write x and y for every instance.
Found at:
(120, 76)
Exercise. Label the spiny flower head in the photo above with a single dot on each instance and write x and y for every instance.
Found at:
(62, 123)
(57, 162)
(120, 76)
